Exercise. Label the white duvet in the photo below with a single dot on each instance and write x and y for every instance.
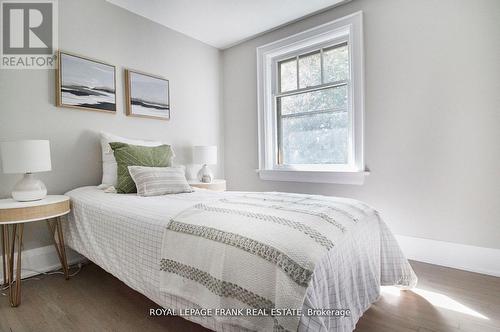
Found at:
(123, 234)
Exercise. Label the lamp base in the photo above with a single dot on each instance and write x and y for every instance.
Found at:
(29, 189)
(205, 175)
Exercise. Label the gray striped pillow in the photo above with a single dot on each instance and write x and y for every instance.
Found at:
(155, 181)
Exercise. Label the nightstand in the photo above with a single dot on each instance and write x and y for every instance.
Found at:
(13, 216)
(215, 185)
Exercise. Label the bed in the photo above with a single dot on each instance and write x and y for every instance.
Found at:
(124, 234)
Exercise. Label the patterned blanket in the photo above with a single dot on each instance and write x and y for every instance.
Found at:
(257, 252)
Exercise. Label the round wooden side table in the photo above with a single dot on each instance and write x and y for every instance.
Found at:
(13, 216)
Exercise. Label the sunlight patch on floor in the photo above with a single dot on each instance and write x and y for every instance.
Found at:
(436, 299)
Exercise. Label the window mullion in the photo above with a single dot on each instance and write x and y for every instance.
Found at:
(314, 88)
(309, 113)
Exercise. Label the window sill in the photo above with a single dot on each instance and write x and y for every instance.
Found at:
(353, 177)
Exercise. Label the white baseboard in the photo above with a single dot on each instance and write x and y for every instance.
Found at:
(43, 259)
(458, 256)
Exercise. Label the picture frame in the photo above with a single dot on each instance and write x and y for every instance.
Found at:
(85, 83)
(147, 95)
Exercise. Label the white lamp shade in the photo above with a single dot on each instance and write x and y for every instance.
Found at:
(27, 156)
(205, 155)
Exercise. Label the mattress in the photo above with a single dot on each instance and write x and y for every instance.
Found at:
(123, 235)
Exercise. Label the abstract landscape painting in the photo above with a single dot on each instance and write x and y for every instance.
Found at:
(86, 84)
(147, 95)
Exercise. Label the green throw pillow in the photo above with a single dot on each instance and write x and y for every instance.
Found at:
(134, 155)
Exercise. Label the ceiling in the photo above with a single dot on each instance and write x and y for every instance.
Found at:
(223, 23)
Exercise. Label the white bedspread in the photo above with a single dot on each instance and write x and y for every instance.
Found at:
(123, 235)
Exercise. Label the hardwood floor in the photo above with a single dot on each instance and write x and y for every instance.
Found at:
(445, 300)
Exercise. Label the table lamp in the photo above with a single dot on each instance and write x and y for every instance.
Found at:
(205, 155)
(26, 157)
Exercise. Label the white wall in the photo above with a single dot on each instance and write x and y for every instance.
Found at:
(432, 116)
(100, 30)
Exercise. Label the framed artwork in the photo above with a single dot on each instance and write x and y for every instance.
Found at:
(85, 83)
(147, 95)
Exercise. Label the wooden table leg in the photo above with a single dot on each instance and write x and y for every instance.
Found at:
(5, 248)
(56, 228)
(15, 284)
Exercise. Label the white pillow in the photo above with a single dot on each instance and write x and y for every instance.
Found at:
(109, 166)
(156, 181)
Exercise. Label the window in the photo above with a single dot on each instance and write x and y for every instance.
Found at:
(310, 89)
(312, 108)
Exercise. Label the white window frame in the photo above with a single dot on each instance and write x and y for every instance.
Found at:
(347, 29)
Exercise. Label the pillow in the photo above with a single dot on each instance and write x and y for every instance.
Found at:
(135, 155)
(108, 159)
(155, 181)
